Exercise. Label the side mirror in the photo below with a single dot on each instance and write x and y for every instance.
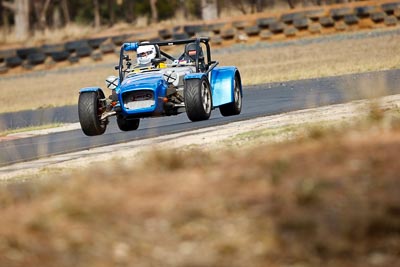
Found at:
(116, 67)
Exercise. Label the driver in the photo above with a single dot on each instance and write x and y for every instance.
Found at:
(145, 54)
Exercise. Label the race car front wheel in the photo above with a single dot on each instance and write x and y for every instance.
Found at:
(235, 107)
(90, 108)
(127, 124)
(198, 100)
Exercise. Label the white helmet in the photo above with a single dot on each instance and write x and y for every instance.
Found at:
(145, 54)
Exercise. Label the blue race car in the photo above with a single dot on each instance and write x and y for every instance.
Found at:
(167, 85)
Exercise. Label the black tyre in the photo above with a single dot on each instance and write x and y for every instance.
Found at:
(389, 8)
(90, 109)
(228, 33)
(198, 100)
(265, 22)
(164, 34)
(36, 58)
(107, 48)
(301, 24)
(180, 36)
(378, 16)
(60, 56)
(252, 30)
(217, 27)
(74, 45)
(277, 27)
(235, 107)
(84, 51)
(25, 52)
(96, 42)
(119, 39)
(12, 62)
(240, 25)
(326, 22)
(49, 49)
(127, 124)
(350, 19)
(338, 13)
(364, 11)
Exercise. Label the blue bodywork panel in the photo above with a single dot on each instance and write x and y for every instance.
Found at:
(152, 81)
(222, 85)
(90, 89)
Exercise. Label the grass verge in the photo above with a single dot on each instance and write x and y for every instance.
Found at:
(328, 197)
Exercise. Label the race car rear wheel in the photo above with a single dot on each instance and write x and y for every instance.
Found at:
(198, 100)
(90, 108)
(235, 107)
(127, 124)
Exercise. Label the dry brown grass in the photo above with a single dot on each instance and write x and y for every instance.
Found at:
(330, 199)
(257, 66)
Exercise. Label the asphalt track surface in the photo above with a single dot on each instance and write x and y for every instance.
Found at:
(260, 100)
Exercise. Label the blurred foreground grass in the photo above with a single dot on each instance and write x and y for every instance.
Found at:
(261, 65)
(329, 197)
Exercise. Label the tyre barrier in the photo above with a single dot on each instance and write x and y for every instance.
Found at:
(301, 23)
(191, 30)
(326, 22)
(107, 48)
(340, 26)
(318, 20)
(84, 51)
(165, 34)
(227, 34)
(314, 15)
(96, 56)
(49, 49)
(216, 27)
(339, 13)
(74, 45)
(290, 17)
(24, 52)
(264, 23)
(350, 19)
(315, 28)
(390, 21)
(60, 56)
(265, 34)
(364, 11)
(240, 25)
(277, 27)
(73, 58)
(389, 8)
(180, 35)
(119, 39)
(216, 40)
(378, 16)
(252, 30)
(290, 31)
(27, 66)
(36, 58)
(13, 62)
(96, 42)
